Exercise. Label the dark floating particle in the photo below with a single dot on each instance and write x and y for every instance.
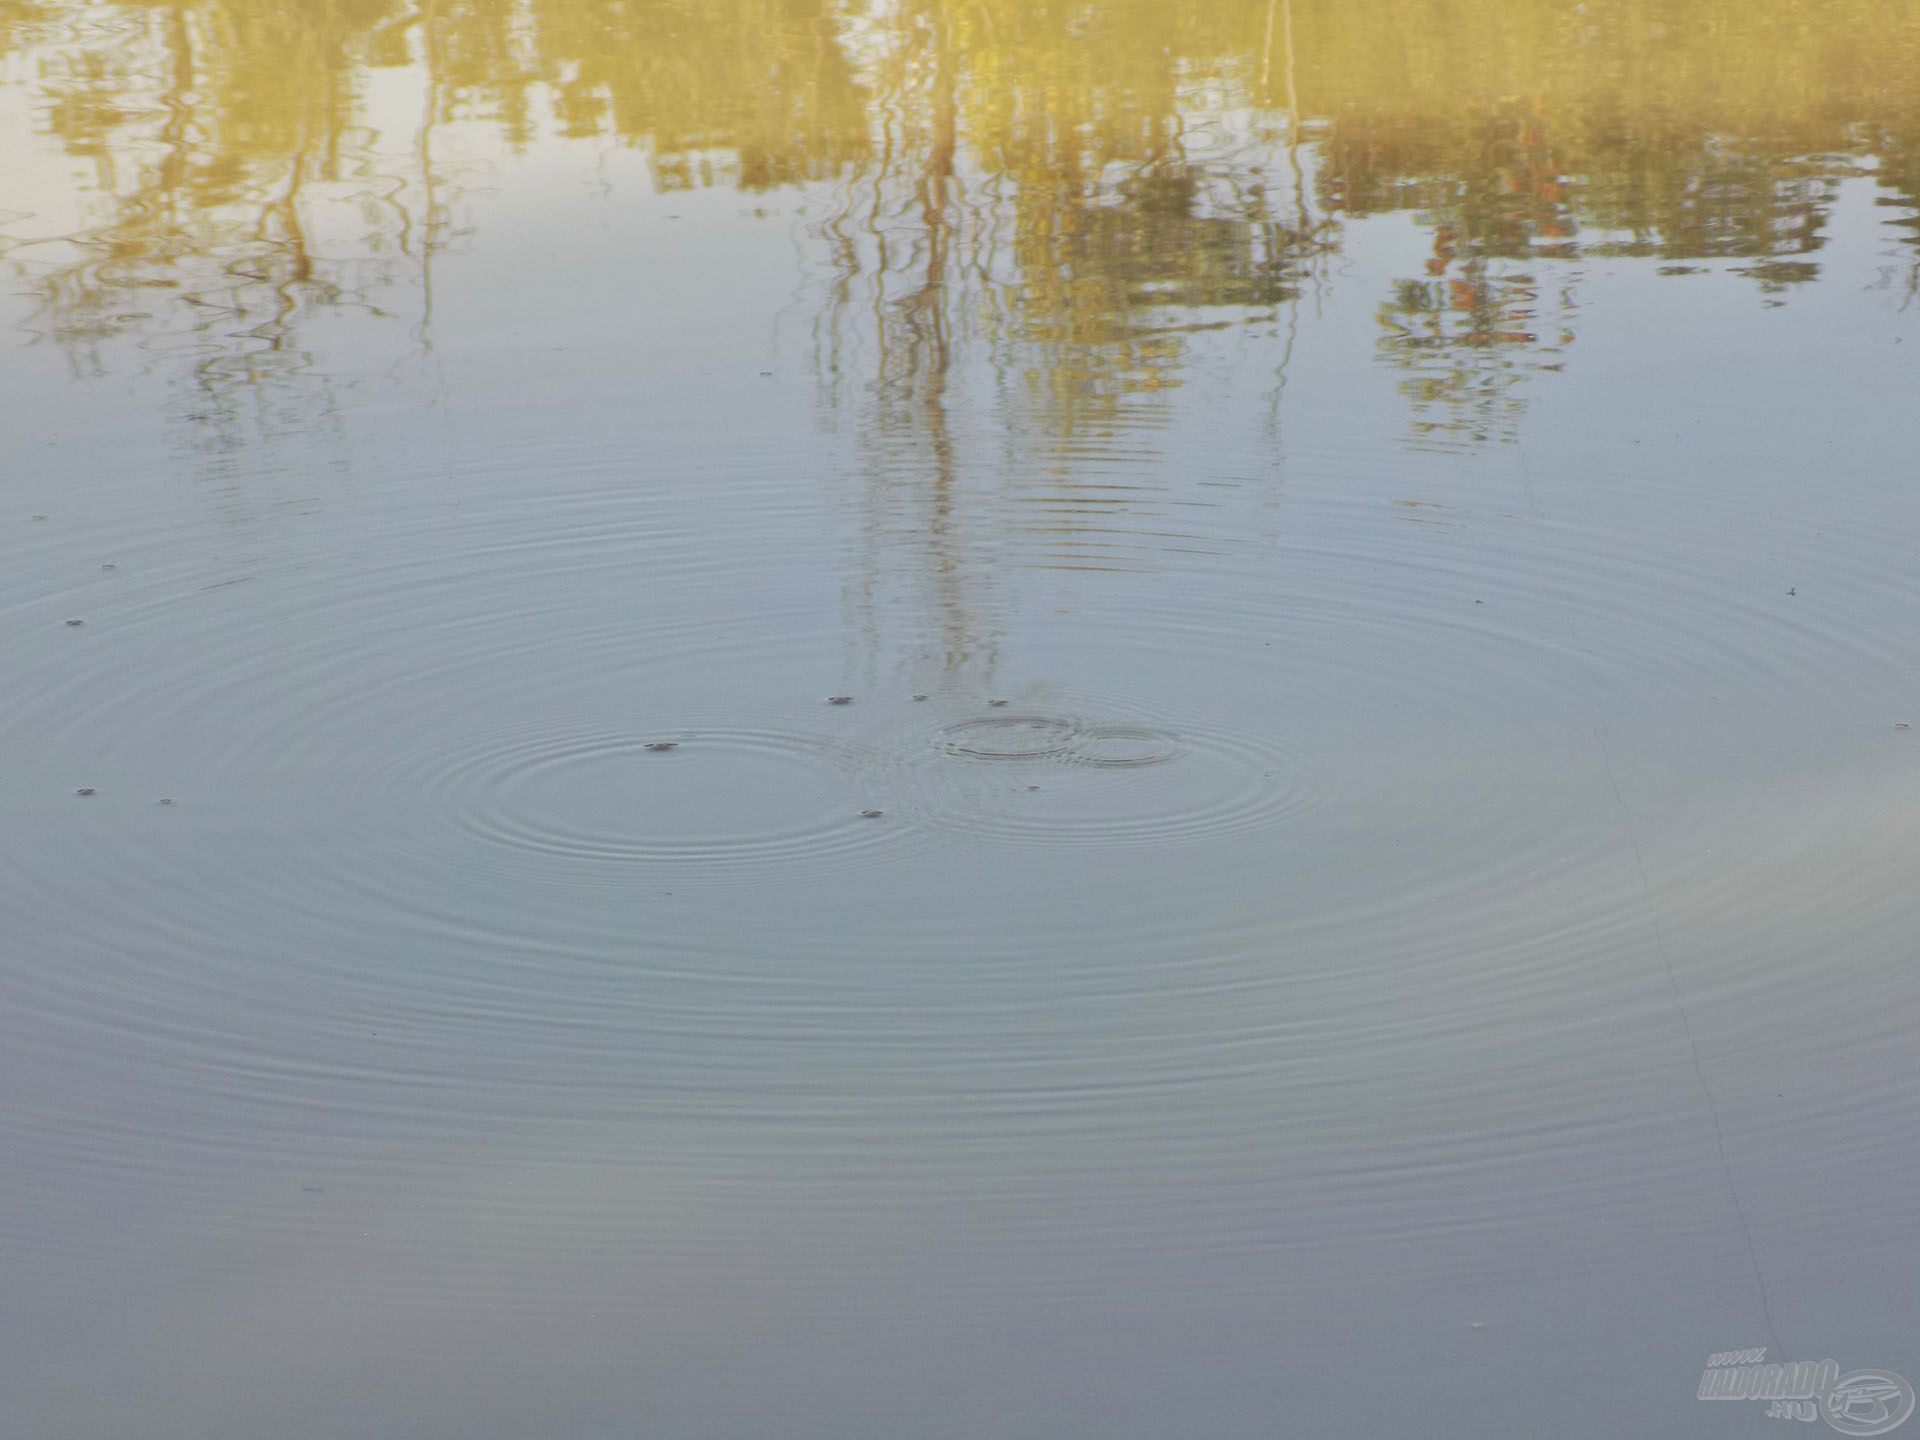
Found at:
(109, 565)
(919, 697)
(839, 699)
(996, 702)
(1901, 725)
(663, 744)
(166, 800)
(84, 790)
(871, 814)
(76, 622)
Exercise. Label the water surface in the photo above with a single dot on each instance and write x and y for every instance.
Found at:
(1363, 879)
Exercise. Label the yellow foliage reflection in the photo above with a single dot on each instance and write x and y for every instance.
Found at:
(1073, 188)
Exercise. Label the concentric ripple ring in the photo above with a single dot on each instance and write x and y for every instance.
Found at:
(717, 798)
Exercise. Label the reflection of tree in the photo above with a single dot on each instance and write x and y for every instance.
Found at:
(762, 88)
(1073, 186)
(1024, 217)
(1036, 207)
(1505, 183)
(1071, 230)
(1466, 339)
(1709, 129)
(209, 127)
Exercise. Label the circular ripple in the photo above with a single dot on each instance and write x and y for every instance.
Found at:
(1119, 746)
(716, 798)
(1131, 781)
(1009, 737)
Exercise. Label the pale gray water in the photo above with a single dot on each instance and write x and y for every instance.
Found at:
(1426, 944)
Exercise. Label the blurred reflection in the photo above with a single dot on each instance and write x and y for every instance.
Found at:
(1069, 190)
(1067, 218)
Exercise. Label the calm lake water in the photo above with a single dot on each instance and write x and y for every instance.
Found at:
(1371, 556)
